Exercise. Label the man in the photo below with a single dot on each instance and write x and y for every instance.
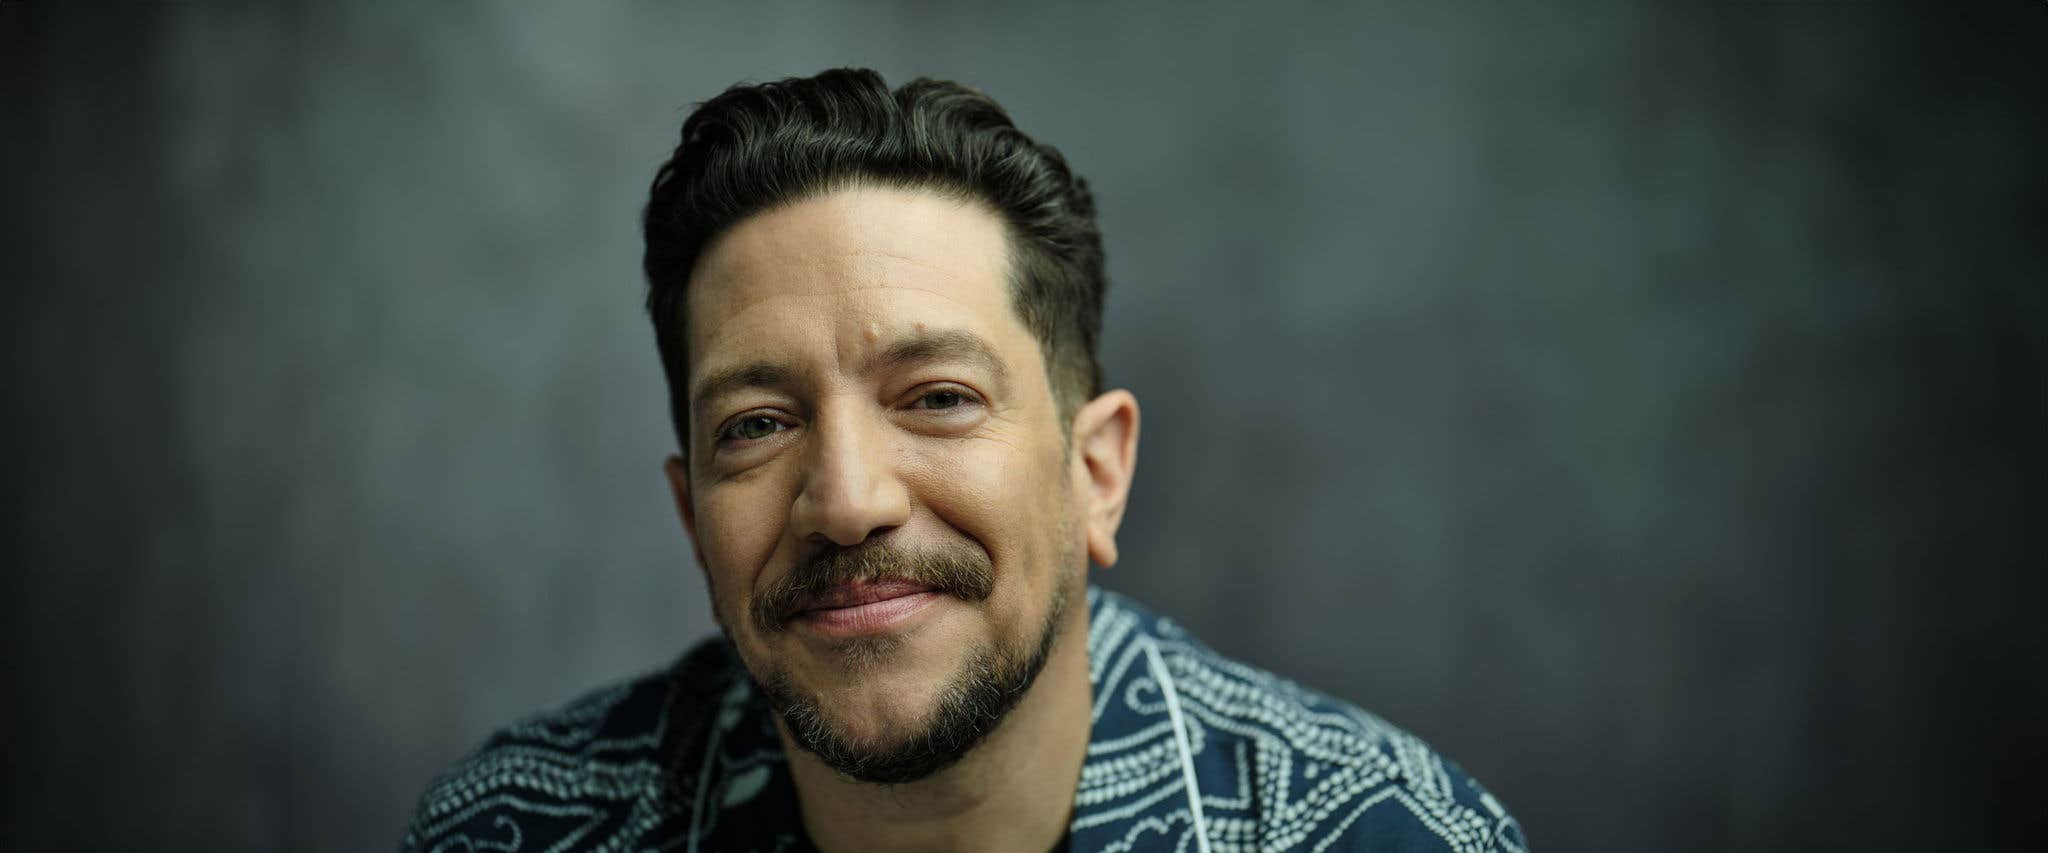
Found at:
(878, 314)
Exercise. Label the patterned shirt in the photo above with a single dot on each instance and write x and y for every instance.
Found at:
(1188, 752)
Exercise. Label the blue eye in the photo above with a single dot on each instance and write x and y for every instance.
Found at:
(758, 426)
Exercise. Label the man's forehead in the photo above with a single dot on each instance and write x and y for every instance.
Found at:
(876, 259)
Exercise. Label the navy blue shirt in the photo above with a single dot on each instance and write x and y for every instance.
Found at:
(1189, 751)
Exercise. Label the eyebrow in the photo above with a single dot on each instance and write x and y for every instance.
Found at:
(942, 345)
(759, 374)
(923, 347)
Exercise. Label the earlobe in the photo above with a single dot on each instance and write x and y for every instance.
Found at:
(1106, 438)
(1101, 547)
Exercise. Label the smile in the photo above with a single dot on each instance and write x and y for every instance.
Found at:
(862, 609)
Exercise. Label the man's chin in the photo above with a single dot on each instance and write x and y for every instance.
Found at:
(904, 735)
(926, 699)
(865, 744)
(891, 746)
(877, 712)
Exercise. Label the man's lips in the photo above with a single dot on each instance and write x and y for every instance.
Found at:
(866, 607)
(857, 593)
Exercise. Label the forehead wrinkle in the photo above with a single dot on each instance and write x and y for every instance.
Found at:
(948, 271)
(820, 265)
(713, 331)
(705, 332)
(754, 300)
(840, 262)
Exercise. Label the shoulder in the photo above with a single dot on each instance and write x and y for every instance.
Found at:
(596, 769)
(1281, 766)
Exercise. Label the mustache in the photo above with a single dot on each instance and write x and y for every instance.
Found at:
(962, 571)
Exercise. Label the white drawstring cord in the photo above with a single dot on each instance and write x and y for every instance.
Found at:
(1180, 735)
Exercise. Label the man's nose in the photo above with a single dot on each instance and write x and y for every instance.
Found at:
(850, 485)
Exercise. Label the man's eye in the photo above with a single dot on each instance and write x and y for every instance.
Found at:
(940, 399)
(758, 426)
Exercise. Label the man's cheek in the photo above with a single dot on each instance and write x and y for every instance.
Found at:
(730, 533)
(727, 569)
(977, 484)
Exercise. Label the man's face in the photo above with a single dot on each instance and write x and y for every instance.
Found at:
(877, 482)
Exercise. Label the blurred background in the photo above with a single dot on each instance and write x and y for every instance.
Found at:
(1644, 406)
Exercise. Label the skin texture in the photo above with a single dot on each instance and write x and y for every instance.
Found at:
(956, 449)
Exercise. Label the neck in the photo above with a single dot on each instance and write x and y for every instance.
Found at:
(1015, 791)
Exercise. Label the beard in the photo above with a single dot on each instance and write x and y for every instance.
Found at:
(972, 704)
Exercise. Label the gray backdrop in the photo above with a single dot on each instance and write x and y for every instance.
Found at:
(1644, 407)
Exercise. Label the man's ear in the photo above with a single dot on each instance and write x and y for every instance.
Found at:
(678, 472)
(1106, 445)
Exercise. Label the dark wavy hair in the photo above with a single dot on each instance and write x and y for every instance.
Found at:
(756, 147)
